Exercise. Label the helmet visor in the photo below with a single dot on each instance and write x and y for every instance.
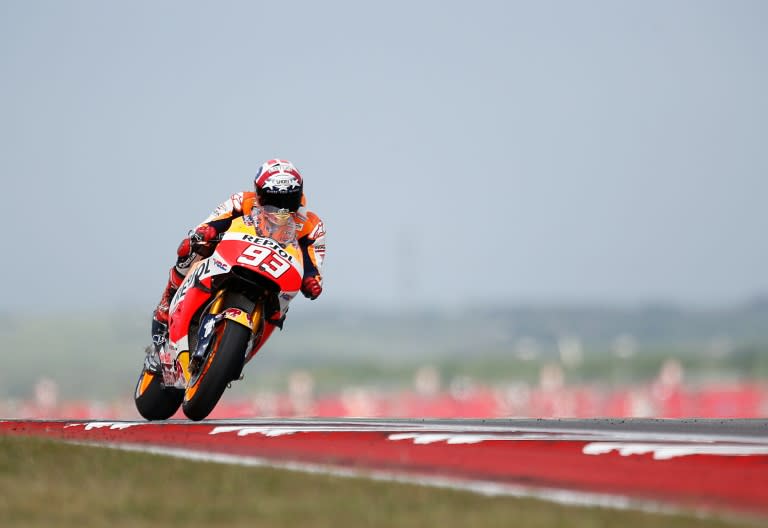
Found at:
(275, 223)
(290, 201)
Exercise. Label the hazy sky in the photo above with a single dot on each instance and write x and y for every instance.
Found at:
(515, 151)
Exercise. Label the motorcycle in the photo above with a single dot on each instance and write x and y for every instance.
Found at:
(223, 312)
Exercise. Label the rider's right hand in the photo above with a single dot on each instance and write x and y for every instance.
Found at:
(197, 239)
(202, 235)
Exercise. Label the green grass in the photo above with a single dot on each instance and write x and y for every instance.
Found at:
(43, 483)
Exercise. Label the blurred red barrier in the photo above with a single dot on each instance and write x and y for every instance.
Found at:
(713, 401)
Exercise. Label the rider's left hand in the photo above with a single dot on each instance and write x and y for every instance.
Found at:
(312, 287)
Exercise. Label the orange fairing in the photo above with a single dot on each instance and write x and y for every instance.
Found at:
(146, 379)
(183, 359)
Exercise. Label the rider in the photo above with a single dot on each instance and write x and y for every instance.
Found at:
(277, 183)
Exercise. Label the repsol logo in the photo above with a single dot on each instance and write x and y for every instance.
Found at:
(200, 270)
(271, 244)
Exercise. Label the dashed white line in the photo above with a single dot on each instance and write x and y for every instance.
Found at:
(668, 451)
(99, 425)
(245, 431)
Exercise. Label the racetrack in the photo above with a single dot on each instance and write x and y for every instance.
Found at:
(703, 465)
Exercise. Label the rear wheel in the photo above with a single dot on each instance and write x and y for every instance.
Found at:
(153, 400)
(223, 362)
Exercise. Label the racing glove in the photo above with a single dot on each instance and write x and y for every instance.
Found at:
(312, 287)
(196, 241)
(202, 235)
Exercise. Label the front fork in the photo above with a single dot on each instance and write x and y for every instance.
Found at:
(217, 312)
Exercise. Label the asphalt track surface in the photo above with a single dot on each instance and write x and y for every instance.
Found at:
(703, 465)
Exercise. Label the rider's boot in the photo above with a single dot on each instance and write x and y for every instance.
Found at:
(159, 337)
(160, 321)
(174, 281)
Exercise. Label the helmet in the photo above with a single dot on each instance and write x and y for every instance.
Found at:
(278, 183)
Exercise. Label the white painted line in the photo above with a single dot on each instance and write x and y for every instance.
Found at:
(245, 431)
(467, 438)
(668, 451)
(458, 433)
(99, 425)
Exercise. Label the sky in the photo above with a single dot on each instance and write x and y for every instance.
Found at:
(458, 152)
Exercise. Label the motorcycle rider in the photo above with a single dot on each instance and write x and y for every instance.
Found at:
(277, 183)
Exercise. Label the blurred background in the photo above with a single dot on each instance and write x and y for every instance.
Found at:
(544, 208)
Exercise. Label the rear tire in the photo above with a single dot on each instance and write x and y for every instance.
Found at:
(153, 400)
(223, 362)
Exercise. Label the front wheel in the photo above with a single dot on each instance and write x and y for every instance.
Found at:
(222, 363)
(153, 400)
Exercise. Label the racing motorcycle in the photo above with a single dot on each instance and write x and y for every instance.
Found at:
(218, 316)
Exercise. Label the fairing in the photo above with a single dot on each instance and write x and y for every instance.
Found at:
(247, 244)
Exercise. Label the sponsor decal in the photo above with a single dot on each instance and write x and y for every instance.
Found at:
(268, 243)
(237, 202)
(219, 264)
(203, 269)
(183, 264)
(281, 182)
(208, 327)
(223, 208)
(237, 315)
(318, 231)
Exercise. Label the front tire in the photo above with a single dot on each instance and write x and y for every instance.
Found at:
(153, 400)
(223, 362)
